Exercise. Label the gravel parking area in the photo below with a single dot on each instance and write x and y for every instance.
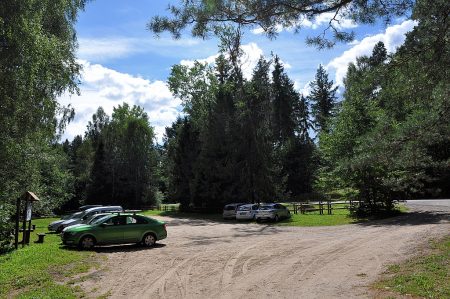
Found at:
(204, 259)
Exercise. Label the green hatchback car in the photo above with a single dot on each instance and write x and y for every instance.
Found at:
(116, 229)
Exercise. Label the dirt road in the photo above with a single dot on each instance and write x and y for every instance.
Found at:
(203, 259)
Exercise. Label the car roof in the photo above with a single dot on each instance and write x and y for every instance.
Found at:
(103, 208)
(235, 204)
(249, 205)
(86, 207)
(110, 215)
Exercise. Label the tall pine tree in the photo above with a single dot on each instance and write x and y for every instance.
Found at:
(322, 99)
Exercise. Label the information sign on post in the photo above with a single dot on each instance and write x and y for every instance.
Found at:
(29, 207)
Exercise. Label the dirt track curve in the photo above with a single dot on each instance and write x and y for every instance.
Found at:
(203, 259)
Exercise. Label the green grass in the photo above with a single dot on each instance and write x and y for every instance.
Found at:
(339, 217)
(427, 275)
(39, 270)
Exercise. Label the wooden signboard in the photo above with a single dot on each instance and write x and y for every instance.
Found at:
(29, 198)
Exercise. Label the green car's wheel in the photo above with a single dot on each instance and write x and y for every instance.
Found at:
(149, 240)
(87, 242)
(276, 218)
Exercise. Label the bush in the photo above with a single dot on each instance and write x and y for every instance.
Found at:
(6, 228)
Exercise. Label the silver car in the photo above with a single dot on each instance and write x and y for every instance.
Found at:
(229, 211)
(87, 214)
(272, 211)
(89, 220)
(246, 212)
(55, 225)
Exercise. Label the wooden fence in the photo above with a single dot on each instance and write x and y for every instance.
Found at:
(164, 208)
(323, 206)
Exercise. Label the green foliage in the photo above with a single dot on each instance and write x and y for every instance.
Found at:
(204, 17)
(37, 64)
(322, 99)
(6, 227)
(228, 148)
(390, 139)
(123, 165)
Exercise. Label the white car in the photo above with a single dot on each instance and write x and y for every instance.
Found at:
(272, 211)
(229, 211)
(246, 212)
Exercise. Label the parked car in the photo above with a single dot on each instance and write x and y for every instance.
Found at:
(272, 211)
(229, 211)
(246, 212)
(89, 220)
(86, 214)
(84, 208)
(115, 229)
(54, 226)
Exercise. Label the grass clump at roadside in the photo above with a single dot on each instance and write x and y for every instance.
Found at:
(427, 275)
(339, 217)
(39, 270)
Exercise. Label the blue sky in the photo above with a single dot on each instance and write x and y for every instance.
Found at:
(123, 62)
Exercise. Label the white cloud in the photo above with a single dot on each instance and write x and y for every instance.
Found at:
(325, 18)
(102, 86)
(393, 37)
(103, 49)
(339, 22)
(250, 56)
(108, 88)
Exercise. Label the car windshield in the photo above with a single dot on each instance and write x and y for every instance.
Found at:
(76, 215)
(99, 220)
(266, 208)
(92, 218)
(229, 208)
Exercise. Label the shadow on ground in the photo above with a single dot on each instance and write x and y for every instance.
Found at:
(412, 218)
(118, 248)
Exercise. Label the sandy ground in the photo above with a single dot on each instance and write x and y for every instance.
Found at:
(203, 259)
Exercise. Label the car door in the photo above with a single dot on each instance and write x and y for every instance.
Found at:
(253, 210)
(285, 211)
(112, 230)
(134, 228)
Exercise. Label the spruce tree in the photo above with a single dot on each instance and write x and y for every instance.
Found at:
(284, 97)
(323, 100)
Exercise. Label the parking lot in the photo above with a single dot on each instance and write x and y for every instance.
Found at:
(206, 259)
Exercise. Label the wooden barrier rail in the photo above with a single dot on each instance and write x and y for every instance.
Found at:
(322, 206)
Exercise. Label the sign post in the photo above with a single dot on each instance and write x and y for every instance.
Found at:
(29, 198)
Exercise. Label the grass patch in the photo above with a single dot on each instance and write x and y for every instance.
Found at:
(38, 270)
(339, 217)
(427, 275)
